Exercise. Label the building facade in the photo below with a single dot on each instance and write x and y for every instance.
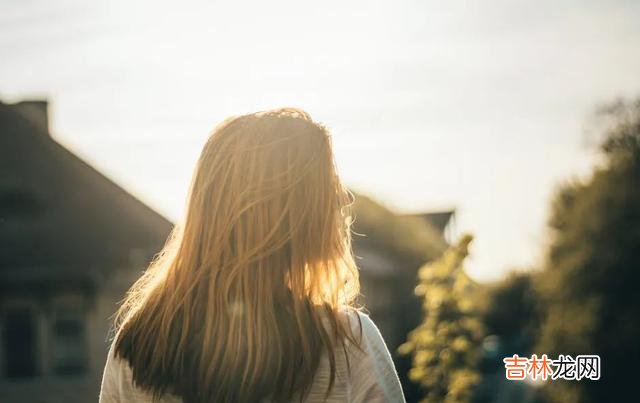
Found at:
(71, 243)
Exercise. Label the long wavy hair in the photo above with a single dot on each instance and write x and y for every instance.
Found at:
(252, 286)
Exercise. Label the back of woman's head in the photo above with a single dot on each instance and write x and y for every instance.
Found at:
(246, 294)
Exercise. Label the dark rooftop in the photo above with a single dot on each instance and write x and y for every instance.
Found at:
(59, 217)
(438, 219)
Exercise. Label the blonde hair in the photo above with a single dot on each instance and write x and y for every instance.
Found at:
(253, 285)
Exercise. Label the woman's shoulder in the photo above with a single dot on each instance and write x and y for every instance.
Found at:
(373, 374)
(118, 385)
(362, 326)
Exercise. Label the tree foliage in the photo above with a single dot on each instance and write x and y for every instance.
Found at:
(445, 346)
(589, 285)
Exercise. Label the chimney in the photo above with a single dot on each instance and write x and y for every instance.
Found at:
(36, 112)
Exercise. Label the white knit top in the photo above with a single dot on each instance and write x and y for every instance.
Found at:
(372, 378)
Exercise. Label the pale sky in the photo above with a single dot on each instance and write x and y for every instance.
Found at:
(478, 105)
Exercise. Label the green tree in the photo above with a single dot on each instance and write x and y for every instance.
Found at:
(589, 285)
(445, 346)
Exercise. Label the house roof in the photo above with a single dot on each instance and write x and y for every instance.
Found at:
(59, 217)
(437, 219)
(404, 237)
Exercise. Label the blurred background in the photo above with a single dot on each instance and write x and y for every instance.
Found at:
(517, 122)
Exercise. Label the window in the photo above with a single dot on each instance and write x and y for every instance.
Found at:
(69, 347)
(19, 339)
